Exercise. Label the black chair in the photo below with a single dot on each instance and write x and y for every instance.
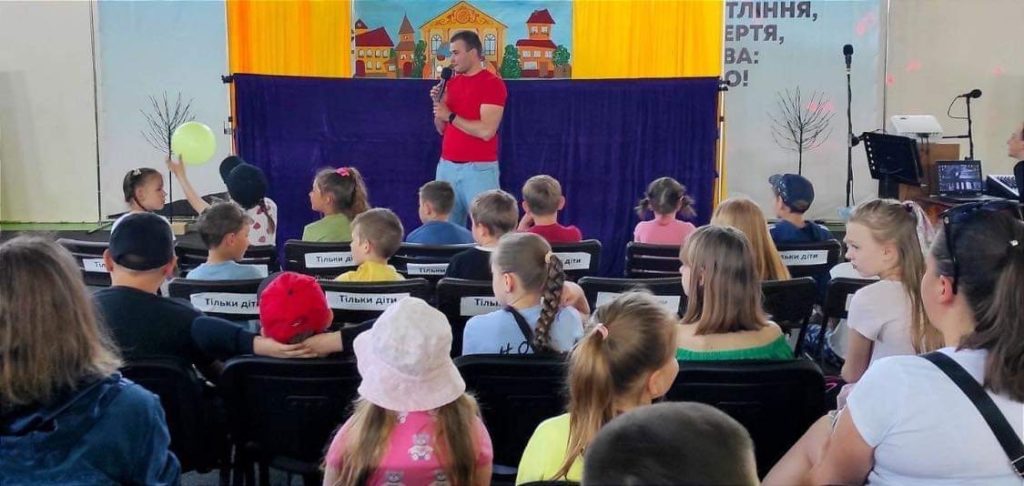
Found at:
(234, 300)
(790, 304)
(668, 291)
(324, 260)
(425, 261)
(810, 259)
(651, 261)
(354, 302)
(516, 393)
(775, 400)
(198, 437)
(579, 259)
(263, 257)
(89, 257)
(837, 301)
(283, 413)
(459, 299)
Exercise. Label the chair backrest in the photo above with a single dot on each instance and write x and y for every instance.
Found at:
(263, 257)
(326, 260)
(234, 300)
(194, 438)
(89, 257)
(355, 302)
(651, 261)
(425, 261)
(668, 291)
(775, 400)
(837, 297)
(461, 299)
(579, 259)
(516, 393)
(790, 304)
(287, 409)
(810, 259)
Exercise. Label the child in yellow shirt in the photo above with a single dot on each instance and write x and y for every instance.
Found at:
(376, 236)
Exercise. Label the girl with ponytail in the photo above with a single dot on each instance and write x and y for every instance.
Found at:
(666, 198)
(626, 360)
(340, 195)
(527, 280)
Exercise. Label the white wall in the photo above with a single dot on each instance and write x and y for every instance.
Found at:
(47, 112)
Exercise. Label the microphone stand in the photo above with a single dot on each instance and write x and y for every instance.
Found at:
(970, 132)
(850, 138)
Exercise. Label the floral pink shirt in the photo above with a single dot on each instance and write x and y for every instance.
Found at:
(663, 231)
(411, 458)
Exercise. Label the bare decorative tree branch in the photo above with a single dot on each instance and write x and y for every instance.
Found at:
(801, 127)
(163, 119)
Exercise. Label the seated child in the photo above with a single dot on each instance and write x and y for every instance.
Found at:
(491, 214)
(224, 229)
(527, 281)
(144, 190)
(413, 422)
(542, 200)
(667, 443)
(376, 236)
(793, 197)
(436, 201)
(745, 215)
(666, 198)
(340, 195)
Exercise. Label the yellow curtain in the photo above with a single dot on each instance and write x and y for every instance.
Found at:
(290, 37)
(647, 38)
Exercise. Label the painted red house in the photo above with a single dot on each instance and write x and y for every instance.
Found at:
(536, 52)
(373, 52)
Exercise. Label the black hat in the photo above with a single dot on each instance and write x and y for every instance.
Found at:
(795, 190)
(247, 185)
(229, 163)
(142, 241)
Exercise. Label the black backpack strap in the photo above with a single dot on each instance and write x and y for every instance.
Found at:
(523, 326)
(1007, 437)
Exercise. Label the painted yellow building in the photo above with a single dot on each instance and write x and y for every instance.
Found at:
(463, 16)
(373, 52)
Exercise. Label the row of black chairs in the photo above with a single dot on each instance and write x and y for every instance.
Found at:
(282, 413)
(801, 259)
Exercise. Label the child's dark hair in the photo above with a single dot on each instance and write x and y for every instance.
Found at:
(663, 197)
(347, 190)
(134, 179)
(219, 220)
(529, 257)
(382, 228)
(440, 195)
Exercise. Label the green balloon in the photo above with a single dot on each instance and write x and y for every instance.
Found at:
(194, 142)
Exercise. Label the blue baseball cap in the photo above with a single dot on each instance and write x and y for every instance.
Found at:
(795, 190)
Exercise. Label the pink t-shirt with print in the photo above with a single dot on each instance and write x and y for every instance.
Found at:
(663, 231)
(411, 458)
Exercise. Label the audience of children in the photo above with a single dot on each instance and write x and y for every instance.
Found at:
(437, 198)
(625, 361)
(668, 444)
(340, 195)
(527, 281)
(542, 200)
(413, 422)
(666, 198)
(724, 319)
(793, 197)
(224, 229)
(492, 214)
(247, 186)
(746, 216)
(376, 236)
(884, 239)
(66, 414)
(906, 421)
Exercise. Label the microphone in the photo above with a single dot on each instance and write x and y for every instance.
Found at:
(974, 93)
(446, 74)
(848, 54)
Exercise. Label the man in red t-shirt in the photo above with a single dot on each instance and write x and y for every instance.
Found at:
(467, 117)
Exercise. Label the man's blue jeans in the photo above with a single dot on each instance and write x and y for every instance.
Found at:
(468, 180)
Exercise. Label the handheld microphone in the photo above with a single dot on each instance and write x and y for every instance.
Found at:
(974, 93)
(848, 54)
(446, 74)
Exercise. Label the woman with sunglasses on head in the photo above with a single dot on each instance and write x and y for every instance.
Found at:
(908, 421)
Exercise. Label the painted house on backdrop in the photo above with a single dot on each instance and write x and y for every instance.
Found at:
(406, 48)
(463, 16)
(373, 52)
(537, 52)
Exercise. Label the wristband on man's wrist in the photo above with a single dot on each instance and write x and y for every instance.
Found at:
(451, 118)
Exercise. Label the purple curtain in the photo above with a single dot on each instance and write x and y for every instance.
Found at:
(604, 140)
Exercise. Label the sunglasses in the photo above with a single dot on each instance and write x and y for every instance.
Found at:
(966, 212)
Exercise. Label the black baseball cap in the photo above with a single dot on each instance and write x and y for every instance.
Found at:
(795, 190)
(142, 241)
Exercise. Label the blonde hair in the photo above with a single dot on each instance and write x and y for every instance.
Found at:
(724, 290)
(892, 222)
(640, 339)
(529, 257)
(495, 210)
(367, 440)
(542, 193)
(50, 341)
(746, 216)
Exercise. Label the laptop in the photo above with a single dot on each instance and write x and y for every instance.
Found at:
(960, 180)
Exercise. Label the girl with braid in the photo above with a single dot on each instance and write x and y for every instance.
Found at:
(527, 282)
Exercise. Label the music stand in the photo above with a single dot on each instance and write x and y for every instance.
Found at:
(893, 160)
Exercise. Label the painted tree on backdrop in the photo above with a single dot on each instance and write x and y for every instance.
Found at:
(510, 68)
(419, 59)
(800, 126)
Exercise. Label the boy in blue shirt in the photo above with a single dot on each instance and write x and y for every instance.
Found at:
(793, 197)
(224, 229)
(437, 198)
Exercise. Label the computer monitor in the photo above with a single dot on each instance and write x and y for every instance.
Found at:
(959, 177)
(893, 160)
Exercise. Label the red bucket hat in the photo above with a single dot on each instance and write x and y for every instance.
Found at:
(292, 304)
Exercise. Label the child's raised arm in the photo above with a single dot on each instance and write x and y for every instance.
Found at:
(178, 169)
